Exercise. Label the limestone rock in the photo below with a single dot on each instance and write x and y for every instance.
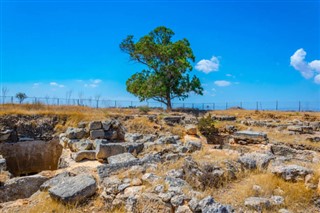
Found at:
(74, 190)
(95, 125)
(209, 205)
(133, 137)
(193, 146)
(151, 203)
(255, 160)
(54, 181)
(103, 151)
(97, 134)
(21, 187)
(82, 155)
(224, 118)
(183, 209)
(80, 145)
(257, 203)
(172, 120)
(291, 172)
(250, 137)
(75, 133)
(191, 129)
(32, 156)
(121, 158)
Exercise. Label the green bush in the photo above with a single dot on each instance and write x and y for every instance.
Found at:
(144, 109)
(207, 129)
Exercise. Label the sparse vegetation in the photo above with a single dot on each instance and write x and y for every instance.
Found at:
(207, 128)
(144, 109)
(21, 96)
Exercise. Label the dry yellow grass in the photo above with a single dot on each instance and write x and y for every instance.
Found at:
(209, 155)
(242, 114)
(297, 197)
(42, 203)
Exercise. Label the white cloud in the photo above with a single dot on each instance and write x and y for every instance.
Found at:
(315, 65)
(208, 66)
(55, 84)
(96, 81)
(222, 83)
(307, 70)
(229, 75)
(317, 79)
(93, 83)
(36, 85)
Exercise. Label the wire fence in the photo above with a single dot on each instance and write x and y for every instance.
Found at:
(97, 103)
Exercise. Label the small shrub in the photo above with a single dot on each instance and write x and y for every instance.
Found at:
(207, 128)
(144, 109)
(210, 178)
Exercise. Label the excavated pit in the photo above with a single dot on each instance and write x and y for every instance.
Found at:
(31, 157)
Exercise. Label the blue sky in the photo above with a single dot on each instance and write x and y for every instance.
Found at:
(245, 50)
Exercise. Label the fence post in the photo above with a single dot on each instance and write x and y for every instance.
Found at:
(299, 106)
(226, 105)
(241, 104)
(257, 105)
(131, 104)
(277, 105)
(11, 99)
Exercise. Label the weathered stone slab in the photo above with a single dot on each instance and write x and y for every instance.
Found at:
(291, 172)
(75, 133)
(21, 187)
(224, 118)
(172, 120)
(121, 158)
(94, 125)
(97, 134)
(255, 160)
(250, 137)
(86, 154)
(110, 169)
(105, 150)
(74, 190)
(31, 156)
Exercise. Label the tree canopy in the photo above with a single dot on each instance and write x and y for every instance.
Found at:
(168, 65)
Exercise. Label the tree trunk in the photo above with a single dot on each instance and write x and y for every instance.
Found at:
(169, 106)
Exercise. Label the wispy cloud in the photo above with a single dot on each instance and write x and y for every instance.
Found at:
(55, 84)
(208, 66)
(307, 69)
(36, 85)
(222, 83)
(93, 83)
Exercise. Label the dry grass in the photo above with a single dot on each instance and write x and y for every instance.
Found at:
(297, 197)
(262, 115)
(142, 125)
(42, 203)
(209, 155)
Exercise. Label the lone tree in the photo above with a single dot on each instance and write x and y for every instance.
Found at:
(21, 96)
(168, 64)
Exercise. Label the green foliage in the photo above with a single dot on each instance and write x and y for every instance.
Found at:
(144, 109)
(207, 128)
(21, 96)
(168, 64)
